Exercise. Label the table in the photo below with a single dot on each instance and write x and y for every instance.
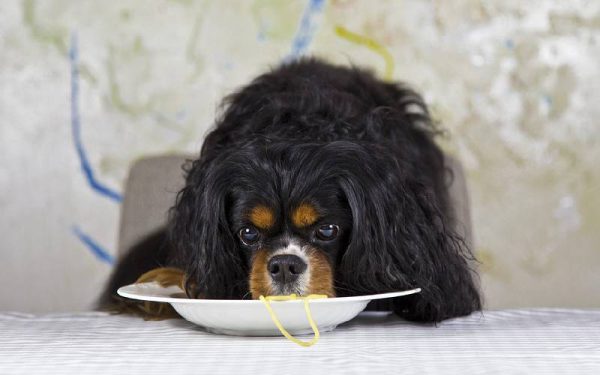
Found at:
(535, 341)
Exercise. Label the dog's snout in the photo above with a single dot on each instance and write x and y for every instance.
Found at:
(286, 268)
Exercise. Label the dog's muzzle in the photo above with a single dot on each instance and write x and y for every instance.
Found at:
(289, 270)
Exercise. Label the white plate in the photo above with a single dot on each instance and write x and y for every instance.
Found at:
(250, 317)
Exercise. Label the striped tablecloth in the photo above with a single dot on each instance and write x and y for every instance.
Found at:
(505, 342)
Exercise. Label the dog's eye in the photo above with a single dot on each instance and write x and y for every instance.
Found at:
(327, 232)
(248, 235)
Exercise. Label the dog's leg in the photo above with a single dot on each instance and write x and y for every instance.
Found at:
(149, 254)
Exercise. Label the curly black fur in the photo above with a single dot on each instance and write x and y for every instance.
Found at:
(308, 128)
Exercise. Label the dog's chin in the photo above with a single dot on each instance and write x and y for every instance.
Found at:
(280, 290)
(294, 288)
(287, 289)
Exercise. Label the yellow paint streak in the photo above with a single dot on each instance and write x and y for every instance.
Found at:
(371, 44)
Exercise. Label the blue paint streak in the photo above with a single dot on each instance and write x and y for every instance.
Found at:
(306, 30)
(262, 34)
(94, 247)
(181, 115)
(76, 128)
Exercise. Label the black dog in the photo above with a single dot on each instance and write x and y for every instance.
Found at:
(317, 179)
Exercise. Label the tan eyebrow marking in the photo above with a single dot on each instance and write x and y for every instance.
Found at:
(304, 215)
(262, 217)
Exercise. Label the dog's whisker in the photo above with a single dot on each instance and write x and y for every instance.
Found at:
(246, 295)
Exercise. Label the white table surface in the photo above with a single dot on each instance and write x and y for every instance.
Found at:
(533, 341)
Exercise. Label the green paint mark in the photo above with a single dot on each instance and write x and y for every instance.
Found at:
(276, 20)
(489, 265)
(183, 2)
(125, 14)
(115, 95)
(56, 38)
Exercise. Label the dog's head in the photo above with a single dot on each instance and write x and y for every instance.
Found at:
(267, 219)
(340, 218)
(288, 216)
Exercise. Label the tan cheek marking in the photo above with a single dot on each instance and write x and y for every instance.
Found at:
(304, 215)
(262, 217)
(260, 282)
(321, 275)
(165, 276)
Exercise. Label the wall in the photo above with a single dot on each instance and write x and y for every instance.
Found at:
(88, 88)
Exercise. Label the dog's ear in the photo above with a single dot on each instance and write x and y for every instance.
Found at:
(402, 239)
(202, 242)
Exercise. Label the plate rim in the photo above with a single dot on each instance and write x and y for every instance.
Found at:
(123, 292)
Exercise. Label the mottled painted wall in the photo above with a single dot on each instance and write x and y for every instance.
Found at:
(87, 88)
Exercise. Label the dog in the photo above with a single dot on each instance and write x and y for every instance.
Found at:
(317, 179)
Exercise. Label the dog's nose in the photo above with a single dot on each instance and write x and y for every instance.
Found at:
(286, 268)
